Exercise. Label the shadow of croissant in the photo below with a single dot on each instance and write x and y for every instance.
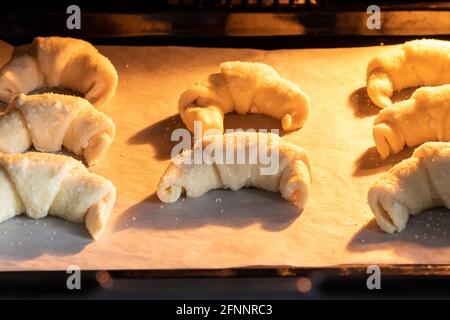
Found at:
(370, 163)
(158, 135)
(57, 90)
(252, 121)
(235, 209)
(3, 106)
(363, 107)
(429, 229)
(361, 104)
(23, 238)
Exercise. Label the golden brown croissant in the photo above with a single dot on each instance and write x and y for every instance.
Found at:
(243, 87)
(59, 62)
(415, 63)
(424, 117)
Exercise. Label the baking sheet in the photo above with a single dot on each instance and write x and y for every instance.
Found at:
(245, 228)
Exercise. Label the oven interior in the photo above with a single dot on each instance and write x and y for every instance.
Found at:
(261, 24)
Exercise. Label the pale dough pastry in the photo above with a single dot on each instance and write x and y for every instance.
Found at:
(415, 63)
(424, 117)
(415, 184)
(243, 87)
(49, 121)
(292, 176)
(59, 62)
(41, 184)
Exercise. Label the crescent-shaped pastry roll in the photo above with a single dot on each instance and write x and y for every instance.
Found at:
(49, 121)
(415, 184)
(39, 184)
(424, 117)
(243, 87)
(59, 62)
(415, 63)
(239, 160)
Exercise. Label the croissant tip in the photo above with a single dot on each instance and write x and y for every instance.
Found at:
(168, 193)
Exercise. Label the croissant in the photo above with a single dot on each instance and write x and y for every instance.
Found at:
(243, 87)
(415, 63)
(292, 176)
(39, 184)
(423, 117)
(59, 62)
(415, 184)
(49, 121)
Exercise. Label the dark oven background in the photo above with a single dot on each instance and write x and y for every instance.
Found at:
(267, 24)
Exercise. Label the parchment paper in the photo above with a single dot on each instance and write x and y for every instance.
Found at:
(225, 228)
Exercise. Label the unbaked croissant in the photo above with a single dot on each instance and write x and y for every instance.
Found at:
(49, 121)
(59, 62)
(423, 117)
(415, 63)
(415, 184)
(243, 87)
(39, 184)
(290, 173)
